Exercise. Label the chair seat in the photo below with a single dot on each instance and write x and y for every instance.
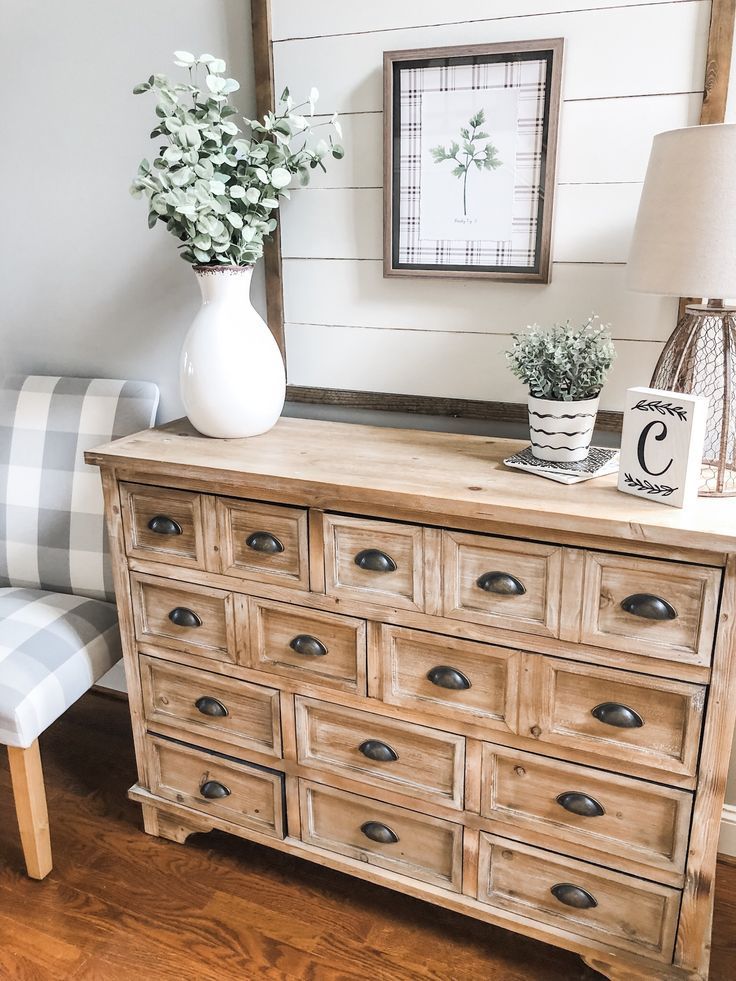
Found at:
(53, 647)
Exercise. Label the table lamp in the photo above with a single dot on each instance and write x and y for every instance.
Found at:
(684, 244)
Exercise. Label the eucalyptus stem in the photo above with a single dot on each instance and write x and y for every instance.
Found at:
(214, 187)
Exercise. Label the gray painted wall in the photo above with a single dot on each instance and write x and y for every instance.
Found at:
(86, 288)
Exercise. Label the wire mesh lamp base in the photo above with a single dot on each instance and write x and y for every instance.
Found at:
(700, 358)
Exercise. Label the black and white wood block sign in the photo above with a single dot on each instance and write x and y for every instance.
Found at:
(662, 445)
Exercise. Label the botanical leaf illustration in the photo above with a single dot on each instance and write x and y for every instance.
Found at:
(664, 490)
(662, 408)
(484, 157)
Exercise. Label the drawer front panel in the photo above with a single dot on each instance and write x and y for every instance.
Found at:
(390, 837)
(319, 648)
(374, 561)
(265, 542)
(184, 617)
(621, 911)
(660, 609)
(617, 714)
(620, 817)
(163, 525)
(408, 759)
(246, 795)
(202, 703)
(443, 675)
(506, 584)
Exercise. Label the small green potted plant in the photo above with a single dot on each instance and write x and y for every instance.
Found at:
(565, 368)
(216, 183)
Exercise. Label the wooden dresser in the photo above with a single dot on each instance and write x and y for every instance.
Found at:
(384, 652)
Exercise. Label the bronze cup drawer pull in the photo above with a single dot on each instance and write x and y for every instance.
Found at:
(580, 804)
(183, 617)
(308, 646)
(501, 583)
(575, 896)
(446, 677)
(211, 706)
(615, 714)
(374, 749)
(374, 560)
(648, 607)
(214, 790)
(162, 525)
(264, 541)
(379, 832)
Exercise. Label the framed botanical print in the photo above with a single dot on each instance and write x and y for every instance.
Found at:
(470, 141)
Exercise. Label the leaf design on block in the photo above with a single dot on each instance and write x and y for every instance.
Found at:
(662, 408)
(647, 487)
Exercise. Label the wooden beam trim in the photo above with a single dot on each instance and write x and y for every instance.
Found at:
(265, 101)
(429, 405)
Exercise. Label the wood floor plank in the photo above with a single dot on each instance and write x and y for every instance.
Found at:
(120, 904)
(27, 951)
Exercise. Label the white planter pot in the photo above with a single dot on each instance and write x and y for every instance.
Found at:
(561, 431)
(231, 373)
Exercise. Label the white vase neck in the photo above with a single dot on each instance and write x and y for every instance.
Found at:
(225, 284)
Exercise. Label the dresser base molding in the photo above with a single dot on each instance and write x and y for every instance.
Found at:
(622, 970)
(174, 826)
(176, 823)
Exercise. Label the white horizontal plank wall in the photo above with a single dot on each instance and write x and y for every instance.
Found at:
(631, 70)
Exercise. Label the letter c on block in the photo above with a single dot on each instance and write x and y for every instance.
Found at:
(641, 447)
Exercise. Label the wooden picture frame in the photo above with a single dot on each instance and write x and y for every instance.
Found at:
(715, 91)
(502, 232)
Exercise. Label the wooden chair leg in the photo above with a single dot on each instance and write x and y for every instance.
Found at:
(30, 807)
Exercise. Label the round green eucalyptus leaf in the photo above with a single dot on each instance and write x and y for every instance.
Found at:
(280, 177)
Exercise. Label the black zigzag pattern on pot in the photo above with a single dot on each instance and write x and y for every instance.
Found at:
(548, 446)
(553, 415)
(560, 432)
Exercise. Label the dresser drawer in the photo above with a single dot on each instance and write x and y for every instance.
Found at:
(378, 562)
(619, 910)
(317, 648)
(409, 759)
(265, 542)
(163, 525)
(661, 609)
(621, 716)
(205, 704)
(384, 835)
(184, 617)
(503, 583)
(450, 677)
(619, 817)
(246, 795)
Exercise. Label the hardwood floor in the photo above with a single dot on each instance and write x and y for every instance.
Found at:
(120, 905)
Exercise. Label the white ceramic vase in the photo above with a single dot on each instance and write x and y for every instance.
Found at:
(231, 373)
(561, 431)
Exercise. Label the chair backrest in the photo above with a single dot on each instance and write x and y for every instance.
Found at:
(52, 526)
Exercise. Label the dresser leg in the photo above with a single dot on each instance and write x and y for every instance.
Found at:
(162, 825)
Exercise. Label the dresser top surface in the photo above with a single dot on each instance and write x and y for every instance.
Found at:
(337, 465)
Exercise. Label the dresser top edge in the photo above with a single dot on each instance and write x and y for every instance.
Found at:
(438, 473)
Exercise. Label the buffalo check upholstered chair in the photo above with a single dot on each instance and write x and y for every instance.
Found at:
(58, 622)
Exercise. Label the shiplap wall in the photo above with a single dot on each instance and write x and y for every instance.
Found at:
(631, 70)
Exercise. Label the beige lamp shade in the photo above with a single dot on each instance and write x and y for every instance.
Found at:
(684, 240)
